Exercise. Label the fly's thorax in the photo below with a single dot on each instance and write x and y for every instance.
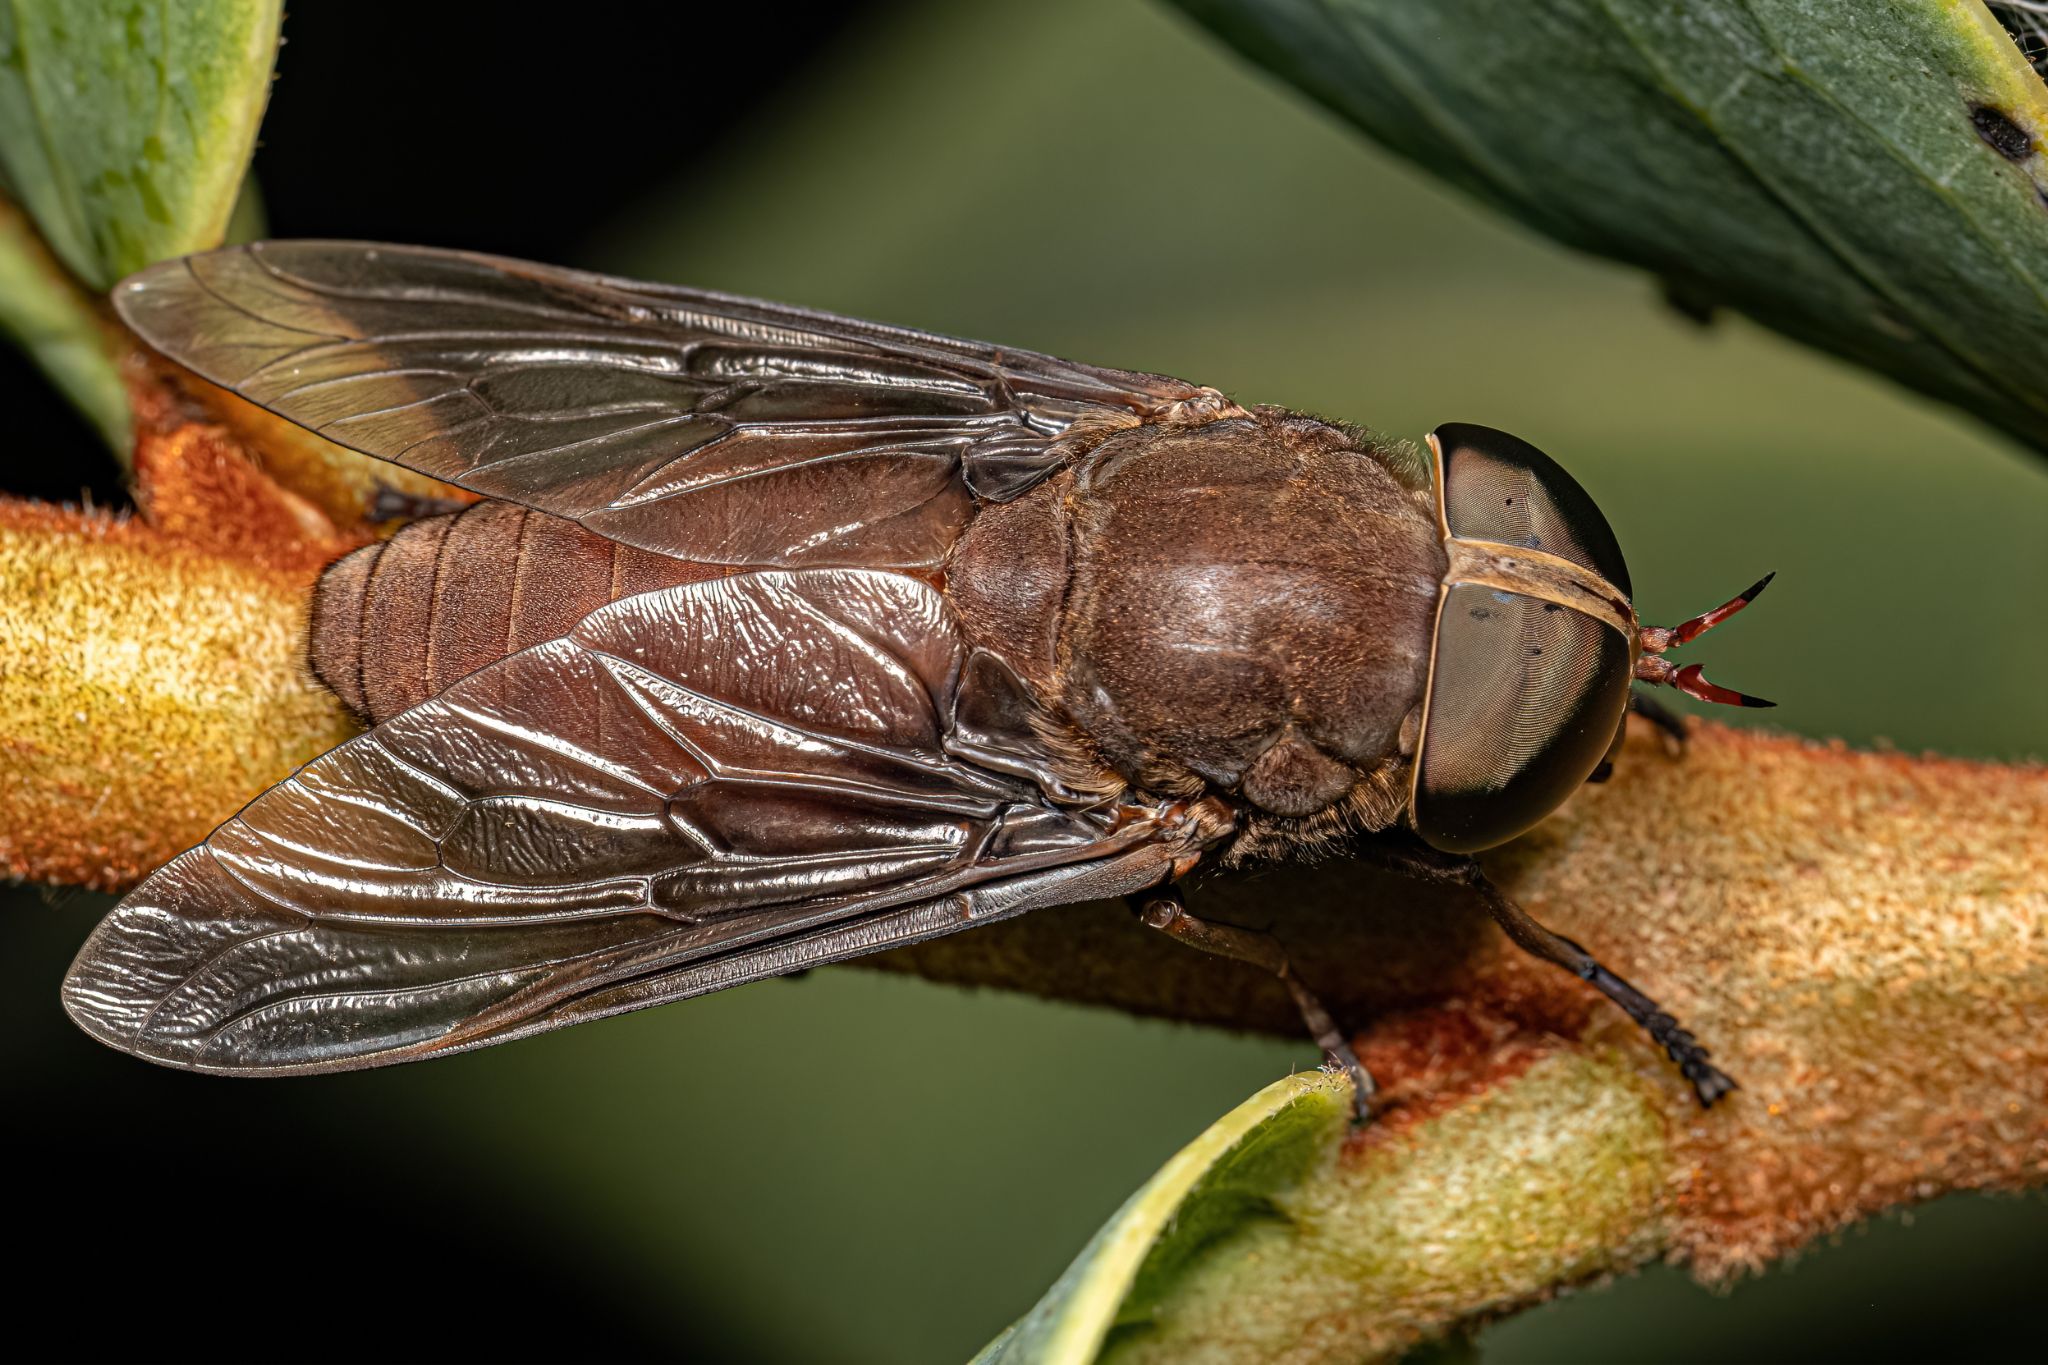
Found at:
(1007, 581)
(1245, 607)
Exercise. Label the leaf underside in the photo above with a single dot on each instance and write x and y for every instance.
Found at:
(1866, 178)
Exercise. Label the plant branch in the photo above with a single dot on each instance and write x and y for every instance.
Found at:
(150, 688)
(45, 312)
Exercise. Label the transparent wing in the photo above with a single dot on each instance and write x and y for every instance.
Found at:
(717, 429)
(694, 788)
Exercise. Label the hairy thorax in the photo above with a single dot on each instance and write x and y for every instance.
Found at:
(1240, 607)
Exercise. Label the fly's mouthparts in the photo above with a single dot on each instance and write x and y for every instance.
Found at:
(1652, 668)
(1692, 681)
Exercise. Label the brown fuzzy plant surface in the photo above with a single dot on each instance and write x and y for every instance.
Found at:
(1862, 938)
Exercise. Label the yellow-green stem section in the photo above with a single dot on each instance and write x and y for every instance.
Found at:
(1556, 1176)
(46, 314)
(146, 693)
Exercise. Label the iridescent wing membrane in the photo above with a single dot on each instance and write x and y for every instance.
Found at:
(716, 429)
(793, 763)
(694, 788)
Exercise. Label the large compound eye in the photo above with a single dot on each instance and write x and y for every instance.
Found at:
(1525, 695)
(1498, 487)
(1524, 700)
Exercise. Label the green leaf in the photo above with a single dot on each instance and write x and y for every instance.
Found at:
(1220, 1185)
(247, 221)
(48, 317)
(126, 127)
(1867, 177)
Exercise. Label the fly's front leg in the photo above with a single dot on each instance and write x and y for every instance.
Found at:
(1709, 1082)
(1670, 724)
(1165, 911)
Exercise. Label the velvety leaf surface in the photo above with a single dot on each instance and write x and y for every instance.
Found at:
(1865, 177)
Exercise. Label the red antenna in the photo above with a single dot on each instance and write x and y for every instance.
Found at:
(1652, 667)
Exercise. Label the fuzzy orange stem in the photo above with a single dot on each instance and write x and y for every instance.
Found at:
(148, 689)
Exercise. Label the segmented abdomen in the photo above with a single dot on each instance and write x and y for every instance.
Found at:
(399, 620)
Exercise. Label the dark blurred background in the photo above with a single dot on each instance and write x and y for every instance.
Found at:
(857, 1168)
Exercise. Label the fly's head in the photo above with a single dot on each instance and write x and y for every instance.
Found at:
(1536, 644)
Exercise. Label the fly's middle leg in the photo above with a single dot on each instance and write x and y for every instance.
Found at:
(1670, 724)
(1164, 910)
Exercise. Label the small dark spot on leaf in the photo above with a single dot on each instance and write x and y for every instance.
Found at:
(2001, 134)
(1481, 614)
(1511, 502)
(1534, 651)
(1552, 606)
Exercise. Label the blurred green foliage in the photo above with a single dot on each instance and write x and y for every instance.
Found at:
(863, 1168)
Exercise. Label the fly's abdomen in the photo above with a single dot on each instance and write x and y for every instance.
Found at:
(397, 621)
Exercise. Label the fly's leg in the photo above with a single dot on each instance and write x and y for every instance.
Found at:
(1165, 911)
(386, 503)
(1669, 723)
(1709, 1082)
(1670, 726)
